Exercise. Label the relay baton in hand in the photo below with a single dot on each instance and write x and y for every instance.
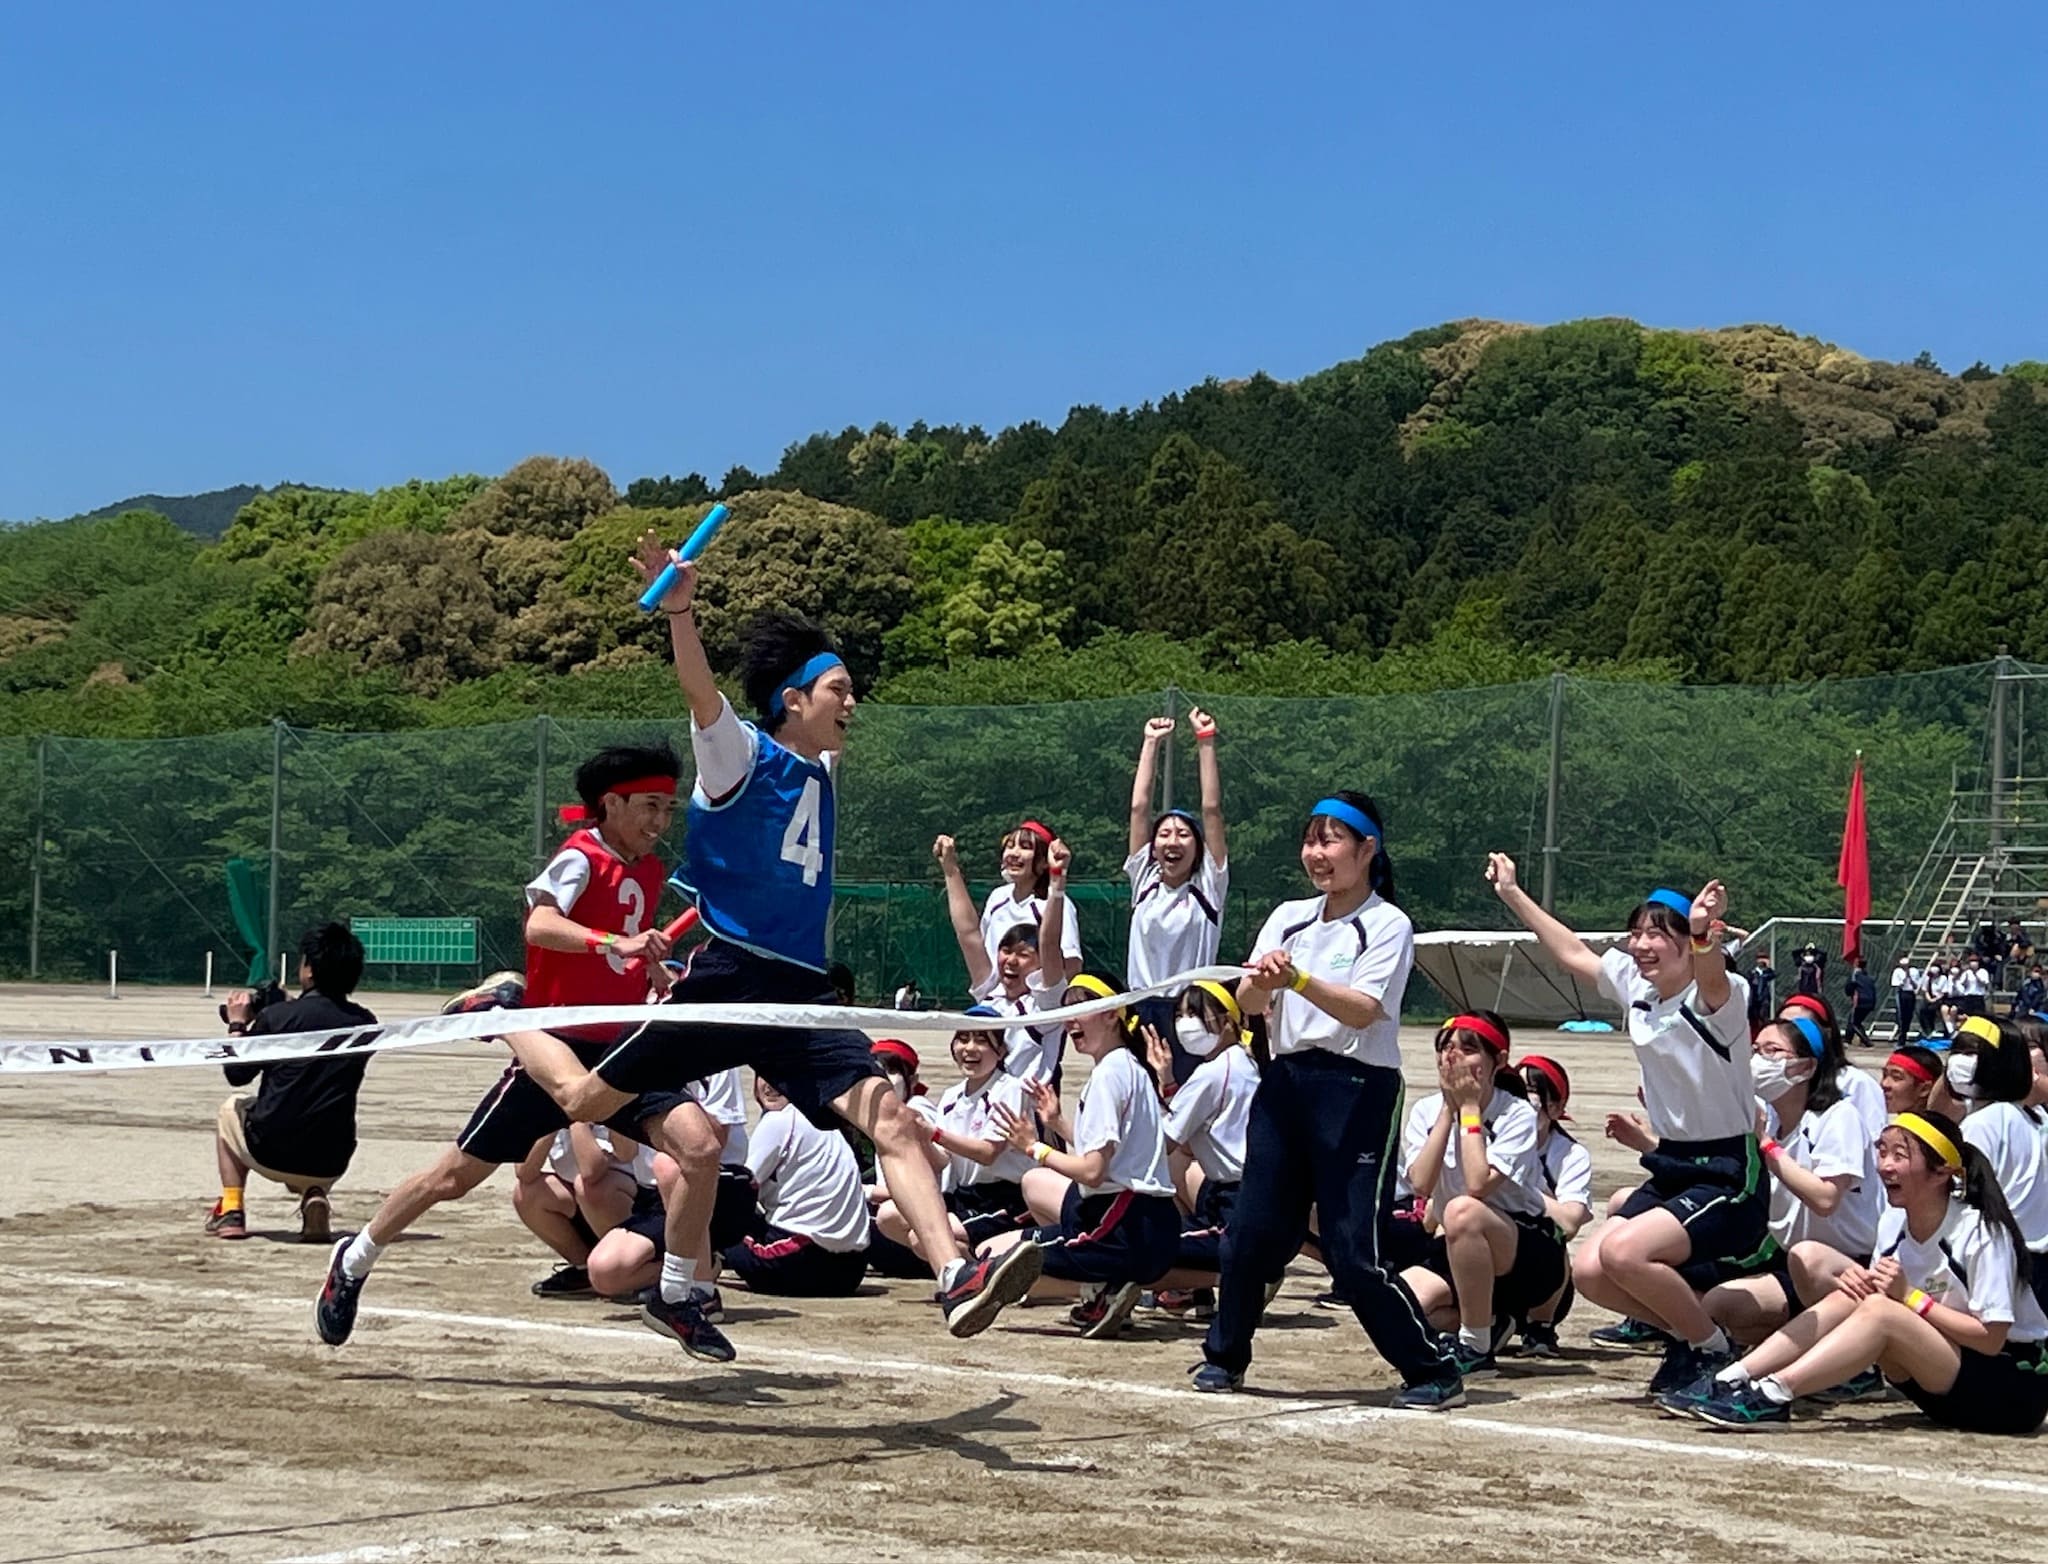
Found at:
(674, 931)
(699, 541)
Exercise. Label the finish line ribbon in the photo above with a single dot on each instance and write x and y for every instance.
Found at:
(72, 1058)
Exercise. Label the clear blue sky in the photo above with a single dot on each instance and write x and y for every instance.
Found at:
(353, 244)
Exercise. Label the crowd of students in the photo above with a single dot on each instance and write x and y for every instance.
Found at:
(1801, 1229)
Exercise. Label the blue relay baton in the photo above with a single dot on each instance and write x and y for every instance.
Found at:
(707, 529)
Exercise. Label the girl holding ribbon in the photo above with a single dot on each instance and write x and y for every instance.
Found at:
(1470, 1151)
(1945, 1312)
(1706, 1201)
(1179, 869)
(1328, 972)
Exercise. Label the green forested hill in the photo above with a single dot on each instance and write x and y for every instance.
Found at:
(205, 515)
(1473, 503)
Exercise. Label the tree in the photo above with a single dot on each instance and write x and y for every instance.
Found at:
(665, 492)
(416, 604)
(543, 497)
(1009, 605)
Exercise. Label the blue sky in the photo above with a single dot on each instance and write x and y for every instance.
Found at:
(355, 244)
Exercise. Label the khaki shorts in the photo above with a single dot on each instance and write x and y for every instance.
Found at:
(233, 1131)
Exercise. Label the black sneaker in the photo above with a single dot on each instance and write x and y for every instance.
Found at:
(1214, 1379)
(566, 1281)
(1868, 1386)
(1686, 1400)
(990, 1285)
(684, 1323)
(1631, 1336)
(1198, 1303)
(1684, 1365)
(1332, 1300)
(316, 1217)
(334, 1312)
(1430, 1395)
(1743, 1407)
(710, 1304)
(499, 991)
(227, 1224)
(1468, 1363)
(1539, 1340)
(1107, 1312)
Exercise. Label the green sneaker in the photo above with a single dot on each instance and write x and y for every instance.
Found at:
(1743, 1407)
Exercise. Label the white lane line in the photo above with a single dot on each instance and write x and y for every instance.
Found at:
(1317, 1419)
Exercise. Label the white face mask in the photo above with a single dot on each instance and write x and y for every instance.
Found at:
(1962, 1075)
(1196, 1038)
(1772, 1077)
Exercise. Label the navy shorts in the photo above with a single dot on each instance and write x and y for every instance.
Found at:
(788, 1265)
(1112, 1238)
(517, 1112)
(1718, 1192)
(811, 1068)
(735, 1213)
(1539, 1270)
(1201, 1236)
(987, 1210)
(1995, 1393)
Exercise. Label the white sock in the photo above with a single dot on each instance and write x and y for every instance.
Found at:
(1478, 1339)
(360, 1255)
(1774, 1390)
(1717, 1342)
(676, 1276)
(949, 1273)
(1733, 1374)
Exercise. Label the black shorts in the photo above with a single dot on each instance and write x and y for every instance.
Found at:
(1535, 1276)
(1995, 1393)
(1111, 1238)
(1718, 1192)
(1404, 1241)
(1201, 1236)
(788, 1265)
(735, 1213)
(810, 1068)
(986, 1210)
(517, 1112)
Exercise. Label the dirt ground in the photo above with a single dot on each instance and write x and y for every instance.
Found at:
(165, 1396)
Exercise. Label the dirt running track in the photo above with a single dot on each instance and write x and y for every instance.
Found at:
(165, 1397)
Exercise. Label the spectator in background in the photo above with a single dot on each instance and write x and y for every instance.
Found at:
(1972, 987)
(910, 996)
(298, 1128)
(1904, 990)
(2031, 994)
(1934, 992)
(1862, 991)
(1812, 971)
(1763, 984)
(2019, 949)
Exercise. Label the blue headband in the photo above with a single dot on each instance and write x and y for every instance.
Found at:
(1809, 1029)
(983, 1010)
(806, 676)
(1194, 824)
(1682, 905)
(1349, 814)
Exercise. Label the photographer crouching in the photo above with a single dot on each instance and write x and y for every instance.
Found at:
(298, 1128)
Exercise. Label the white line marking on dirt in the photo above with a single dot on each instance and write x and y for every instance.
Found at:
(1315, 1418)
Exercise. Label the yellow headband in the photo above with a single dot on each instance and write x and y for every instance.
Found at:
(1931, 1137)
(1226, 999)
(1091, 985)
(1985, 1030)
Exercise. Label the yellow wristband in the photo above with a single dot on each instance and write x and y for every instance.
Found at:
(1299, 982)
(1919, 1302)
(1469, 1122)
(1039, 1152)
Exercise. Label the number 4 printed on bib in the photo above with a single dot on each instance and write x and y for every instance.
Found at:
(800, 841)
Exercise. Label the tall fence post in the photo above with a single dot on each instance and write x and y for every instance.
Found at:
(272, 947)
(1551, 793)
(35, 873)
(540, 793)
(2000, 673)
(1169, 707)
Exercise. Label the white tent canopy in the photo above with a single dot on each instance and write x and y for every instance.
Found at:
(1512, 974)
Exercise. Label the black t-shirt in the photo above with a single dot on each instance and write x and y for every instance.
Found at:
(304, 1117)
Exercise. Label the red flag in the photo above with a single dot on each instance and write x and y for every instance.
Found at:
(1852, 872)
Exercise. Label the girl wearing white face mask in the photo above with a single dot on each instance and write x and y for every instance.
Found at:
(1992, 1071)
(1825, 1196)
(1205, 1134)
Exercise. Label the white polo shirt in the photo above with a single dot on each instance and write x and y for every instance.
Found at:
(1511, 1130)
(1120, 1108)
(1371, 950)
(1209, 1113)
(1861, 1088)
(972, 1114)
(1031, 1052)
(1696, 1081)
(1989, 1286)
(1176, 929)
(1833, 1144)
(1567, 1170)
(809, 1181)
(1003, 911)
(2004, 1133)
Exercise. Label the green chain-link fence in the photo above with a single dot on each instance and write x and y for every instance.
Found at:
(122, 845)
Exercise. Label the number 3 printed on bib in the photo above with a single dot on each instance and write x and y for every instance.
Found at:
(800, 841)
(634, 900)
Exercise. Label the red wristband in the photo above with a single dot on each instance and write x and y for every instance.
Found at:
(938, 1135)
(1767, 1147)
(1205, 733)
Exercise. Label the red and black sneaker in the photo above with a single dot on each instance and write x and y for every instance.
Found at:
(227, 1224)
(685, 1324)
(990, 1285)
(334, 1312)
(1105, 1312)
(499, 991)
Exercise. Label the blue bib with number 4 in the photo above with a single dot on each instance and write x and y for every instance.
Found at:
(759, 861)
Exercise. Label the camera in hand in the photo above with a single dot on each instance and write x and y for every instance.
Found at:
(261, 997)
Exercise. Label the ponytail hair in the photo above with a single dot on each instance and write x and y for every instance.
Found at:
(1380, 873)
(1981, 1190)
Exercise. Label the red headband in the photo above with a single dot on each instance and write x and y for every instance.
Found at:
(1913, 1067)
(575, 814)
(1043, 833)
(895, 1048)
(1551, 1072)
(1482, 1026)
(1811, 1002)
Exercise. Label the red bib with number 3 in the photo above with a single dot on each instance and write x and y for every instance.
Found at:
(618, 898)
